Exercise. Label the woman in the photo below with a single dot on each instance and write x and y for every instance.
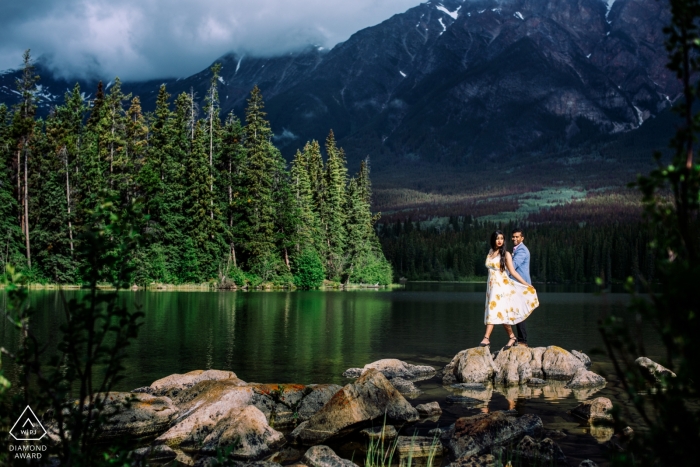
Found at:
(507, 302)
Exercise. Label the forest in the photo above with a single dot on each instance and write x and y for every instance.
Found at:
(211, 200)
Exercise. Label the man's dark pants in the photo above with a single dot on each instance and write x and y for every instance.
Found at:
(522, 332)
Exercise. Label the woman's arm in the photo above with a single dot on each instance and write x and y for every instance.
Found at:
(512, 271)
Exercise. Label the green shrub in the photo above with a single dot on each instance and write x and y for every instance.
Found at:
(372, 270)
(308, 270)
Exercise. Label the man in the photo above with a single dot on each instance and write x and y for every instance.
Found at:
(521, 263)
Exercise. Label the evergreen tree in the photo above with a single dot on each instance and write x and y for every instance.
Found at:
(211, 102)
(23, 126)
(136, 145)
(333, 214)
(10, 231)
(113, 126)
(308, 234)
(92, 168)
(231, 186)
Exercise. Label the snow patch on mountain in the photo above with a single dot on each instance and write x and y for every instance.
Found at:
(518, 15)
(444, 28)
(453, 14)
(402, 73)
(239, 64)
(221, 80)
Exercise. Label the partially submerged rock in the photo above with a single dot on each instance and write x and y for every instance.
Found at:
(545, 452)
(405, 387)
(429, 409)
(135, 415)
(323, 456)
(653, 369)
(594, 411)
(513, 366)
(487, 460)
(473, 365)
(393, 368)
(583, 357)
(585, 379)
(557, 363)
(370, 397)
(279, 402)
(418, 446)
(316, 397)
(380, 432)
(475, 435)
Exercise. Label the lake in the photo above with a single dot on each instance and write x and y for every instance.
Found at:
(313, 336)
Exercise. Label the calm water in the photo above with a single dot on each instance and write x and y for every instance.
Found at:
(312, 337)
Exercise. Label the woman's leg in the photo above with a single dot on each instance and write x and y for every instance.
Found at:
(486, 340)
(513, 340)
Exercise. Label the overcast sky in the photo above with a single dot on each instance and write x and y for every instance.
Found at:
(140, 39)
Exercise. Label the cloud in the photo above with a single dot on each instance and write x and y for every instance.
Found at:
(148, 39)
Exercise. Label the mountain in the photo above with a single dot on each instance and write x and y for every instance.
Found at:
(453, 82)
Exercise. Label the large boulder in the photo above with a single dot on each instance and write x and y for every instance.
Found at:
(279, 402)
(653, 369)
(513, 366)
(429, 409)
(585, 359)
(172, 385)
(356, 405)
(393, 368)
(584, 378)
(316, 397)
(135, 415)
(475, 435)
(594, 411)
(473, 365)
(558, 363)
(323, 456)
(405, 387)
(246, 429)
(203, 406)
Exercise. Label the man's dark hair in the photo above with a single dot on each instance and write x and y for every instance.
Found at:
(518, 230)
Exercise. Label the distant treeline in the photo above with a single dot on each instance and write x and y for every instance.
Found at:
(215, 198)
(560, 252)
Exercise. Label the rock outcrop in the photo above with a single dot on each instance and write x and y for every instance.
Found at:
(357, 404)
(393, 368)
(473, 436)
(129, 415)
(323, 456)
(584, 378)
(557, 363)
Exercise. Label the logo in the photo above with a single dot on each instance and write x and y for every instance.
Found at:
(28, 427)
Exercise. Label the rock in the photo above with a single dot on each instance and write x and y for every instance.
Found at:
(370, 397)
(469, 386)
(487, 460)
(585, 379)
(475, 435)
(353, 373)
(462, 400)
(557, 363)
(316, 397)
(513, 364)
(136, 415)
(594, 411)
(393, 368)
(157, 453)
(172, 385)
(583, 357)
(602, 433)
(545, 452)
(203, 405)
(429, 409)
(473, 365)
(536, 382)
(323, 456)
(587, 463)
(384, 432)
(536, 361)
(279, 402)
(418, 446)
(405, 387)
(653, 369)
(246, 429)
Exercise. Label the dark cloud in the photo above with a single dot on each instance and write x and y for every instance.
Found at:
(141, 39)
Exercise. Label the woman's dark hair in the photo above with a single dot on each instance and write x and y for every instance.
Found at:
(501, 250)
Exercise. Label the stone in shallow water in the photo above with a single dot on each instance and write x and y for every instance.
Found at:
(653, 369)
(583, 357)
(369, 398)
(594, 411)
(462, 400)
(557, 363)
(385, 432)
(429, 409)
(585, 379)
(470, 386)
(535, 382)
(136, 415)
(323, 456)
(405, 387)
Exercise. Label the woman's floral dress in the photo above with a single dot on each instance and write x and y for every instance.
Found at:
(507, 301)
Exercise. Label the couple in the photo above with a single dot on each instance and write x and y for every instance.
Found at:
(508, 301)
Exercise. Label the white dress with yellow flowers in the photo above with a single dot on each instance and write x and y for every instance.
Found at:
(507, 301)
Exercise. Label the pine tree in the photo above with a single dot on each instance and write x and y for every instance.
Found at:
(211, 103)
(10, 231)
(135, 147)
(308, 228)
(231, 186)
(333, 215)
(113, 125)
(23, 127)
(92, 168)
